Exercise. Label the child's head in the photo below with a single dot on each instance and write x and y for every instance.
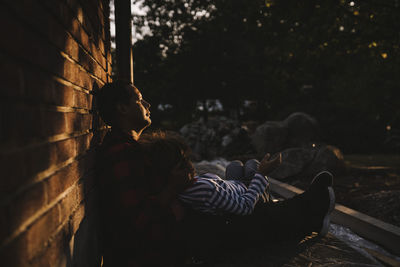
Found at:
(166, 151)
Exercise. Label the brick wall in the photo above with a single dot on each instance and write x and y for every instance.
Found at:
(52, 55)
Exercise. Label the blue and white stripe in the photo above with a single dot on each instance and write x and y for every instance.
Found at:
(211, 194)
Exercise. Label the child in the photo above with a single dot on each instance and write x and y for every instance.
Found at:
(208, 193)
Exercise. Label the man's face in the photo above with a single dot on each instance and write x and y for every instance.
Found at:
(138, 111)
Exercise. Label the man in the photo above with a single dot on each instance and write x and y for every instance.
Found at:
(138, 222)
(141, 220)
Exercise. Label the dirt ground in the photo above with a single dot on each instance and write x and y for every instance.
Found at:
(371, 184)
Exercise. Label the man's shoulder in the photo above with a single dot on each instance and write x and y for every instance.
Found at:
(114, 143)
(121, 160)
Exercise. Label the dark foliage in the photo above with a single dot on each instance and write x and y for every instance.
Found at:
(337, 60)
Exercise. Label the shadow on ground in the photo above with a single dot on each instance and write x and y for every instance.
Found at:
(311, 251)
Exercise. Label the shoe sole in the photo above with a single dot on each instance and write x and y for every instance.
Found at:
(322, 174)
(327, 218)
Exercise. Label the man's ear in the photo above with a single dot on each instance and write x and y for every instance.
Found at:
(122, 108)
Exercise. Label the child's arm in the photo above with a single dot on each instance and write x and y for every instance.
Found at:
(240, 201)
(243, 203)
(211, 194)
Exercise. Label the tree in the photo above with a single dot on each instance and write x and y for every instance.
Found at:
(337, 60)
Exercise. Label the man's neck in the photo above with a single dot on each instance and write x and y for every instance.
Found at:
(135, 134)
(126, 130)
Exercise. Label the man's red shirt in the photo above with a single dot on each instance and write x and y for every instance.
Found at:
(137, 229)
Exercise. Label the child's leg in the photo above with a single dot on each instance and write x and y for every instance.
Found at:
(250, 168)
(234, 170)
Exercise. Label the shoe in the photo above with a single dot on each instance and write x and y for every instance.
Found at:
(322, 179)
(321, 199)
(234, 170)
(250, 168)
(299, 216)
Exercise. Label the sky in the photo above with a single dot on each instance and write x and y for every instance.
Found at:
(137, 10)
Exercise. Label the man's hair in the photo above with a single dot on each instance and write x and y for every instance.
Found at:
(107, 98)
(166, 150)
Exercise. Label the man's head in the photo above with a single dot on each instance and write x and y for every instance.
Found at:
(120, 104)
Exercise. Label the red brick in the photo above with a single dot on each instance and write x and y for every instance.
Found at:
(38, 18)
(46, 55)
(21, 166)
(77, 218)
(62, 95)
(47, 155)
(44, 89)
(56, 253)
(83, 143)
(39, 87)
(24, 124)
(79, 122)
(5, 227)
(35, 15)
(80, 15)
(26, 204)
(64, 179)
(36, 236)
(11, 78)
(15, 253)
(38, 159)
(20, 35)
(19, 123)
(92, 11)
(71, 202)
(69, 122)
(73, 25)
(12, 128)
(14, 169)
(40, 245)
(64, 149)
(55, 123)
(82, 100)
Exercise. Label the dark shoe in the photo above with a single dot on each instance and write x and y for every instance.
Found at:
(322, 179)
(321, 200)
(250, 168)
(296, 217)
(234, 170)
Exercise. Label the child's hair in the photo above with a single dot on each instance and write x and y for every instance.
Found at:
(166, 150)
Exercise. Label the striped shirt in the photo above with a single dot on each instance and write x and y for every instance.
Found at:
(211, 194)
